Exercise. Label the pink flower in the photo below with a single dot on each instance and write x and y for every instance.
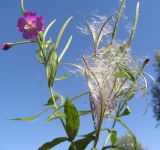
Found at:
(6, 46)
(30, 25)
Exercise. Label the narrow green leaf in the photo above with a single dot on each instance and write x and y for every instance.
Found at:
(82, 143)
(113, 146)
(55, 115)
(50, 101)
(92, 133)
(65, 49)
(86, 112)
(130, 95)
(88, 26)
(56, 97)
(61, 32)
(130, 132)
(100, 32)
(62, 77)
(72, 119)
(48, 28)
(145, 82)
(49, 145)
(126, 112)
(30, 118)
(89, 134)
(22, 7)
(77, 66)
(118, 19)
(80, 95)
(113, 136)
(135, 25)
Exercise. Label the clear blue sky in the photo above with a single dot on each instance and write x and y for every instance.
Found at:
(23, 87)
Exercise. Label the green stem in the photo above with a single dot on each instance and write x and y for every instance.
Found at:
(107, 139)
(22, 7)
(24, 42)
(53, 99)
(99, 129)
(42, 48)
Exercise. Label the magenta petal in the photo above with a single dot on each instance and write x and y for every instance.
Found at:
(29, 13)
(40, 23)
(30, 18)
(20, 24)
(40, 19)
(31, 34)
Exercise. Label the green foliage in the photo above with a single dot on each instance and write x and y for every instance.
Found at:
(51, 67)
(65, 49)
(61, 32)
(62, 77)
(113, 146)
(48, 28)
(130, 95)
(86, 112)
(126, 72)
(30, 118)
(82, 143)
(113, 136)
(118, 19)
(97, 41)
(129, 131)
(55, 115)
(50, 101)
(135, 24)
(72, 119)
(80, 95)
(53, 143)
(126, 112)
(88, 26)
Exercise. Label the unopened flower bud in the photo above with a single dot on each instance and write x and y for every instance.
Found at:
(146, 61)
(6, 46)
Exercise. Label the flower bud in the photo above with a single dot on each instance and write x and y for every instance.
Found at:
(146, 61)
(6, 46)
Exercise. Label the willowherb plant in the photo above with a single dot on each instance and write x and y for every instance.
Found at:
(112, 75)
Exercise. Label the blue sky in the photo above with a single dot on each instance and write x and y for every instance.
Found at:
(23, 87)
